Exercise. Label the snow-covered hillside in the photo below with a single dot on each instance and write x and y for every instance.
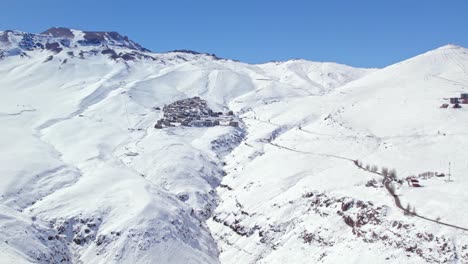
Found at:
(299, 196)
(87, 179)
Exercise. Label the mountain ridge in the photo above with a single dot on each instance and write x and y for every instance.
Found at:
(115, 39)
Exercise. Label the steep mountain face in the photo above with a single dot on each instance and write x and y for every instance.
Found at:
(88, 179)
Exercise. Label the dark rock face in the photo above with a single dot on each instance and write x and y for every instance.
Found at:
(114, 38)
(90, 37)
(59, 32)
(4, 36)
(29, 42)
(53, 46)
(183, 197)
(187, 51)
(21, 42)
(196, 53)
(58, 39)
(95, 38)
(111, 52)
(128, 57)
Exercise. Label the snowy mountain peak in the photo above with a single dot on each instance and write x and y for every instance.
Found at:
(450, 46)
(94, 38)
(55, 40)
(59, 32)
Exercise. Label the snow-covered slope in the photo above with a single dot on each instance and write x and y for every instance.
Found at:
(299, 196)
(87, 179)
(84, 173)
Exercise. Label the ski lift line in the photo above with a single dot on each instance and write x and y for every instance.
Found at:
(459, 83)
(310, 153)
(454, 57)
(262, 121)
(449, 172)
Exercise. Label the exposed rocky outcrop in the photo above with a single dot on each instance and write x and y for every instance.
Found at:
(95, 38)
(366, 221)
(13, 43)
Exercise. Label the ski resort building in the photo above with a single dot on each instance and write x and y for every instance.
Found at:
(456, 101)
(413, 182)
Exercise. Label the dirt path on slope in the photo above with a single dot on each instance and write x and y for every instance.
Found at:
(386, 182)
(386, 178)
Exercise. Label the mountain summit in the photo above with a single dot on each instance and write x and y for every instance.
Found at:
(57, 39)
(94, 37)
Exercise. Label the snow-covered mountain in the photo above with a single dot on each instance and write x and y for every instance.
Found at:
(57, 40)
(86, 178)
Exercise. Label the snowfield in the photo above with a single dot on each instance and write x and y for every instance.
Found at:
(87, 179)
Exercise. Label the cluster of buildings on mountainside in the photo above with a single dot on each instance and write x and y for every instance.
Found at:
(415, 181)
(456, 102)
(194, 112)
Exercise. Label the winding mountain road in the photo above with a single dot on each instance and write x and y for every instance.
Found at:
(386, 181)
(387, 184)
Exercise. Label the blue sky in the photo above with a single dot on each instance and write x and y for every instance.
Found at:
(361, 33)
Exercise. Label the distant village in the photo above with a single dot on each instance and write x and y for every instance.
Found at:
(456, 102)
(194, 112)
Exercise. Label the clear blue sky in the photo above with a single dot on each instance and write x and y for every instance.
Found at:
(364, 33)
